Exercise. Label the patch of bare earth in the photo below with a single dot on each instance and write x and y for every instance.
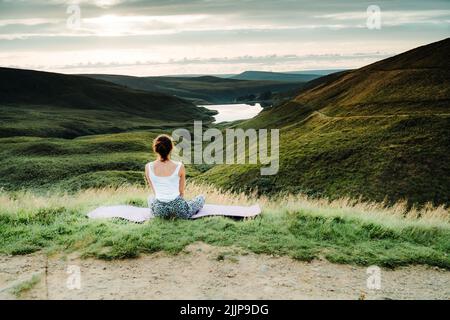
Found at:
(206, 272)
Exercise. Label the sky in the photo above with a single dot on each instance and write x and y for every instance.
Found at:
(168, 37)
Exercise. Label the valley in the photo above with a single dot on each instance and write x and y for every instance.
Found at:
(380, 133)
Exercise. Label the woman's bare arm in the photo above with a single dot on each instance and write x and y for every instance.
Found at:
(182, 175)
(149, 183)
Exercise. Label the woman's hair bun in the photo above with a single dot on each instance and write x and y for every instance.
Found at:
(163, 145)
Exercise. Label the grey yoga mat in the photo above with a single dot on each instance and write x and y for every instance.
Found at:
(137, 214)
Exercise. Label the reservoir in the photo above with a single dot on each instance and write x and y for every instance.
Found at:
(232, 112)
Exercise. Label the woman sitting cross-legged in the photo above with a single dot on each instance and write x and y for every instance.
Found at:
(168, 181)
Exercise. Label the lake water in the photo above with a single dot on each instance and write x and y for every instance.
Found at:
(232, 112)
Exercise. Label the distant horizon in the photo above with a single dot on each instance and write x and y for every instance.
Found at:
(198, 74)
(224, 74)
(127, 72)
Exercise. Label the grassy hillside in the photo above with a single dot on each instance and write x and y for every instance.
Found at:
(57, 131)
(43, 104)
(394, 158)
(204, 89)
(43, 164)
(382, 131)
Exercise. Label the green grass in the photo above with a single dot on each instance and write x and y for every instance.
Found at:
(300, 228)
(393, 157)
(43, 164)
(68, 123)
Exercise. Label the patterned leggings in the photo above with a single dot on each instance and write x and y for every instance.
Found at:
(177, 208)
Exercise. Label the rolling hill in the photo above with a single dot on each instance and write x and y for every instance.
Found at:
(50, 104)
(203, 89)
(322, 72)
(381, 132)
(275, 76)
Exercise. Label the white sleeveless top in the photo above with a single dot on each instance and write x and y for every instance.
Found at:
(166, 188)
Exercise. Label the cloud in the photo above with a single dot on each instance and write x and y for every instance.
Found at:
(393, 18)
(230, 34)
(27, 22)
(216, 65)
(161, 17)
(266, 60)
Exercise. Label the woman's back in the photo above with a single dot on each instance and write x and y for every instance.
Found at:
(168, 181)
(165, 179)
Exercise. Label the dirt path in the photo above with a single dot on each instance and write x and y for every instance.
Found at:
(205, 272)
(323, 115)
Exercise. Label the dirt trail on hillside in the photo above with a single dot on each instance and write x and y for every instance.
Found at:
(323, 115)
(205, 272)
